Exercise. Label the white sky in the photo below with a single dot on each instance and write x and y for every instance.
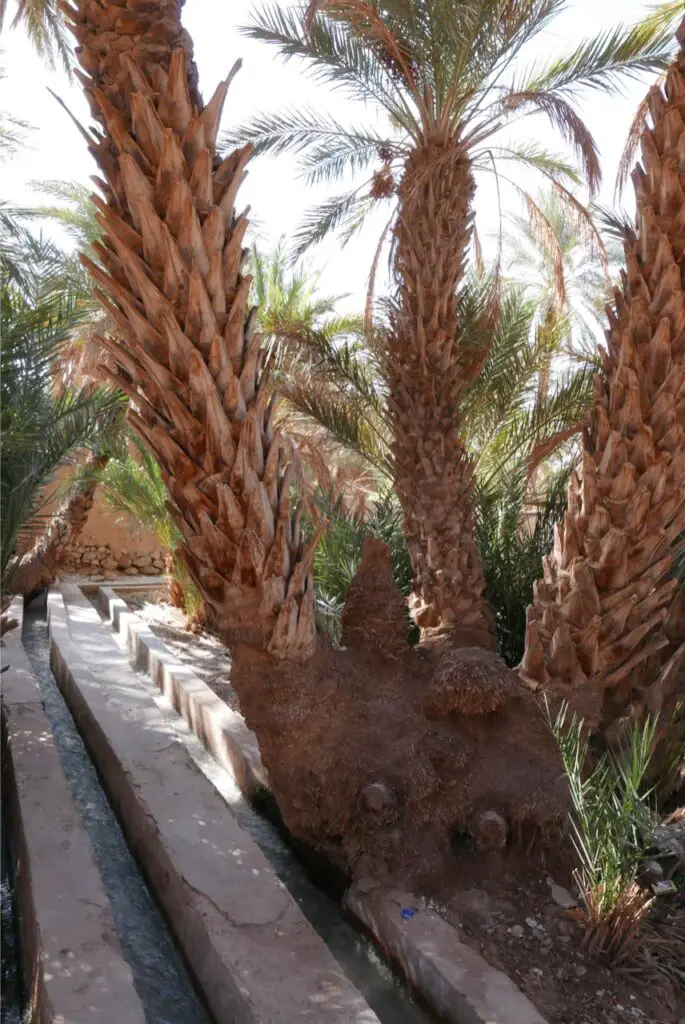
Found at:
(276, 196)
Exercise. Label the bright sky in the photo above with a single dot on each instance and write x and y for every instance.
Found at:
(276, 196)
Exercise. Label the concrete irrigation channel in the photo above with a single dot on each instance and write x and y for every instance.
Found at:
(177, 901)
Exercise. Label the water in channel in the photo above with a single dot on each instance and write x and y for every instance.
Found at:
(385, 993)
(161, 979)
(160, 975)
(12, 999)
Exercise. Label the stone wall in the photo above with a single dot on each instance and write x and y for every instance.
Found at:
(105, 562)
(110, 544)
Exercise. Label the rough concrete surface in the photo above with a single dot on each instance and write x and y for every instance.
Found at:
(222, 730)
(455, 980)
(76, 973)
(253, 953)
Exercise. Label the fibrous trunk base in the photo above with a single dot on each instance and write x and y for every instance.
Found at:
(381, 763)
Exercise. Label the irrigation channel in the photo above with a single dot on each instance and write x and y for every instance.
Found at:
(161, 978)
(13, 996)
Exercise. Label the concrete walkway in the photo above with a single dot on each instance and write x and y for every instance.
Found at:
(75, 971)
(253, 953)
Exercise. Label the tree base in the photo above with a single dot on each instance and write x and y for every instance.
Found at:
(384, 764)
(361, 772)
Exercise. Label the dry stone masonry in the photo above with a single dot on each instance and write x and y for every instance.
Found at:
(102, 560)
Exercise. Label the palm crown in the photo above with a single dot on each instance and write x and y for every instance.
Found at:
(446, 71)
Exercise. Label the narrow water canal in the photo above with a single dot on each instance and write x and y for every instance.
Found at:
(383, 990)
(160, 976)
(12, 1000)
(159, 973)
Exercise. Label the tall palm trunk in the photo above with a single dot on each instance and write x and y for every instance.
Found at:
(596, 629)
(427, 374)
(190, 359)
(39, 566)
(372, 756)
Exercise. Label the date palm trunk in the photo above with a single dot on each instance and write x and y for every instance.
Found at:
(39, 566)
(434, 475)
(598, 631)
(190, 360)
(374, 757)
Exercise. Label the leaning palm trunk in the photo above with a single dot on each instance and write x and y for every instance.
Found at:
(434, 475)
(373, 756)
(597, 629)
(191, 361)
(39, 566)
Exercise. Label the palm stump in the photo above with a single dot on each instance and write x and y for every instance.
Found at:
(375, 756)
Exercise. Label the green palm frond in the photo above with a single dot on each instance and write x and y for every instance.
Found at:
(514, 533)
(605, 62)
(321, 367)
(337, 555)
(437, 70)
(531, 433)
(530, 154)
(344, 419)
(44, 24)
(132, 485)
(13, 131)
(343, 213)
(330, 149)
(40, 426)
(74, 210)
(667, 14)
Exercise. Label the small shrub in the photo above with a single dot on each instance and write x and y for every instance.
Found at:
(612, 821)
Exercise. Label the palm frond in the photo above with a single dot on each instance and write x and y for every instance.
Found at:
(344, 420)
(605, 61)
(632, 144)
(333, 55)
(41, 425)
(567, 121)
(667, 14)
(617, 223)
(74, 210)
(13, 131)
(44, 24)
(329, 149)
(534, 156)
(336, 213)
(132, 486)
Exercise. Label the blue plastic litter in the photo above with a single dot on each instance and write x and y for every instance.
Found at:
(406, 913)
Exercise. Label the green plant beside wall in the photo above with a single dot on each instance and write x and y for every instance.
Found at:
(132, 485)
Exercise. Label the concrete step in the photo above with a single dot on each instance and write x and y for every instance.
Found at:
(222, 730)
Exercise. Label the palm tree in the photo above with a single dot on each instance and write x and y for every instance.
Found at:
(44, 24)
(42, 424)
(562, 266)
(596, 629)
(449, 77)
(370, 780)
(511, 431)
